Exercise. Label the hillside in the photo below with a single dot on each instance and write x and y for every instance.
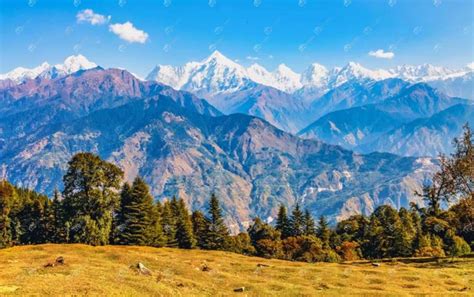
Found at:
(106, 271)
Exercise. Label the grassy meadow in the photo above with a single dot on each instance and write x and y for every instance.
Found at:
(106, 271)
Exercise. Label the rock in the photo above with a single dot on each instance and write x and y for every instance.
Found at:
(241, 289)
(376, 264)
(262, 265)
(59, 260)
(205, 268)
(142, 269)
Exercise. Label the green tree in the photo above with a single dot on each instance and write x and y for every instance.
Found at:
(323, 232)
(283, 223)
(200, 228)
(137, 209)
(7, 200)
(184, 227)
(90, 194)
(297, 221)
(168, 223)
(217, 233)
(309, 227)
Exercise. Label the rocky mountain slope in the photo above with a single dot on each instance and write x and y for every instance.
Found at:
(182, 146)
(426, 136)
(357, 127)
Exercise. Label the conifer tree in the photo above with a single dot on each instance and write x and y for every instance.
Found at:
(323, 232)
(309, 225)
(7, 196)
(168, 224)
(138, 215)
(283, 223)
(297, 221)
(59, 235)
(217, 233)
(184, 227)
(119, 218)
(200, 228)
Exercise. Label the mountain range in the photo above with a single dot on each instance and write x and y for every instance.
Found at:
(184, 146)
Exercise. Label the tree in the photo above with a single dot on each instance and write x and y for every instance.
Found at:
(297, 221)
(283, 223)
(218, 232)
(323, 232)
(309, 227)
(168, 223)
(200, 228)
(265, 239)
(137, 210)
(57, 210)
(184, 227)
(90, 194)
(455, 245)
(7, 198)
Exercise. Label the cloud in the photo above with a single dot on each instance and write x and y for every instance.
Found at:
(470, 65)
(88, 16)
(381, 54)
(128, 32)
(252, 58)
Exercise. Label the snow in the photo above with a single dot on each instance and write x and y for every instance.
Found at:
(70, 65)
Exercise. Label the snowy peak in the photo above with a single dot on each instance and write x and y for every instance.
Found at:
(71, 64)
(218, 74)
(75, 63)
(315, 75)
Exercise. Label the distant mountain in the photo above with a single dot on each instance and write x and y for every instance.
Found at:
(354, 93)
(427, 136)
(182, 146)
(203, 78)
(357, 126)
(70, 65)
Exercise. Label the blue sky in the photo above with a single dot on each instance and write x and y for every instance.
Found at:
(294, 32)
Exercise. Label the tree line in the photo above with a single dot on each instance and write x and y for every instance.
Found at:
(97, 208)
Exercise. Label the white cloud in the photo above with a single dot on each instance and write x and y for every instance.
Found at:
(88, 16)
(252, 58)
(470, 65)
(381, 54)
(128, 32)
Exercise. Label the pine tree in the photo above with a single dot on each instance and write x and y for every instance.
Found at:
(168, 224)
(7, 197)
(323, 232)
(283, 223)
(184, 227)
(59, 235)
(200, 228)
(297, 221)
(309, 225)
(157, 238)
(138, 215)
(119, 218)
(218, 232)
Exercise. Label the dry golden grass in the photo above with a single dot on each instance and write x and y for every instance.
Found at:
(106, 271)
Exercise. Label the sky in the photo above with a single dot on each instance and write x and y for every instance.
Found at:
(137, 35)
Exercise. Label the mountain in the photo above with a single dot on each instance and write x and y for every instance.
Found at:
(218, 74)
(353, 94)
(182, 146)
(426, 136)
(277, 107)
(70, 65)
(356, 127)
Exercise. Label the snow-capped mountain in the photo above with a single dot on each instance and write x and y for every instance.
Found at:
(214, 75)
(218, 74)
(70, 65)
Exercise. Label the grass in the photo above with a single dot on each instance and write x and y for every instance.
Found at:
(106, 271)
